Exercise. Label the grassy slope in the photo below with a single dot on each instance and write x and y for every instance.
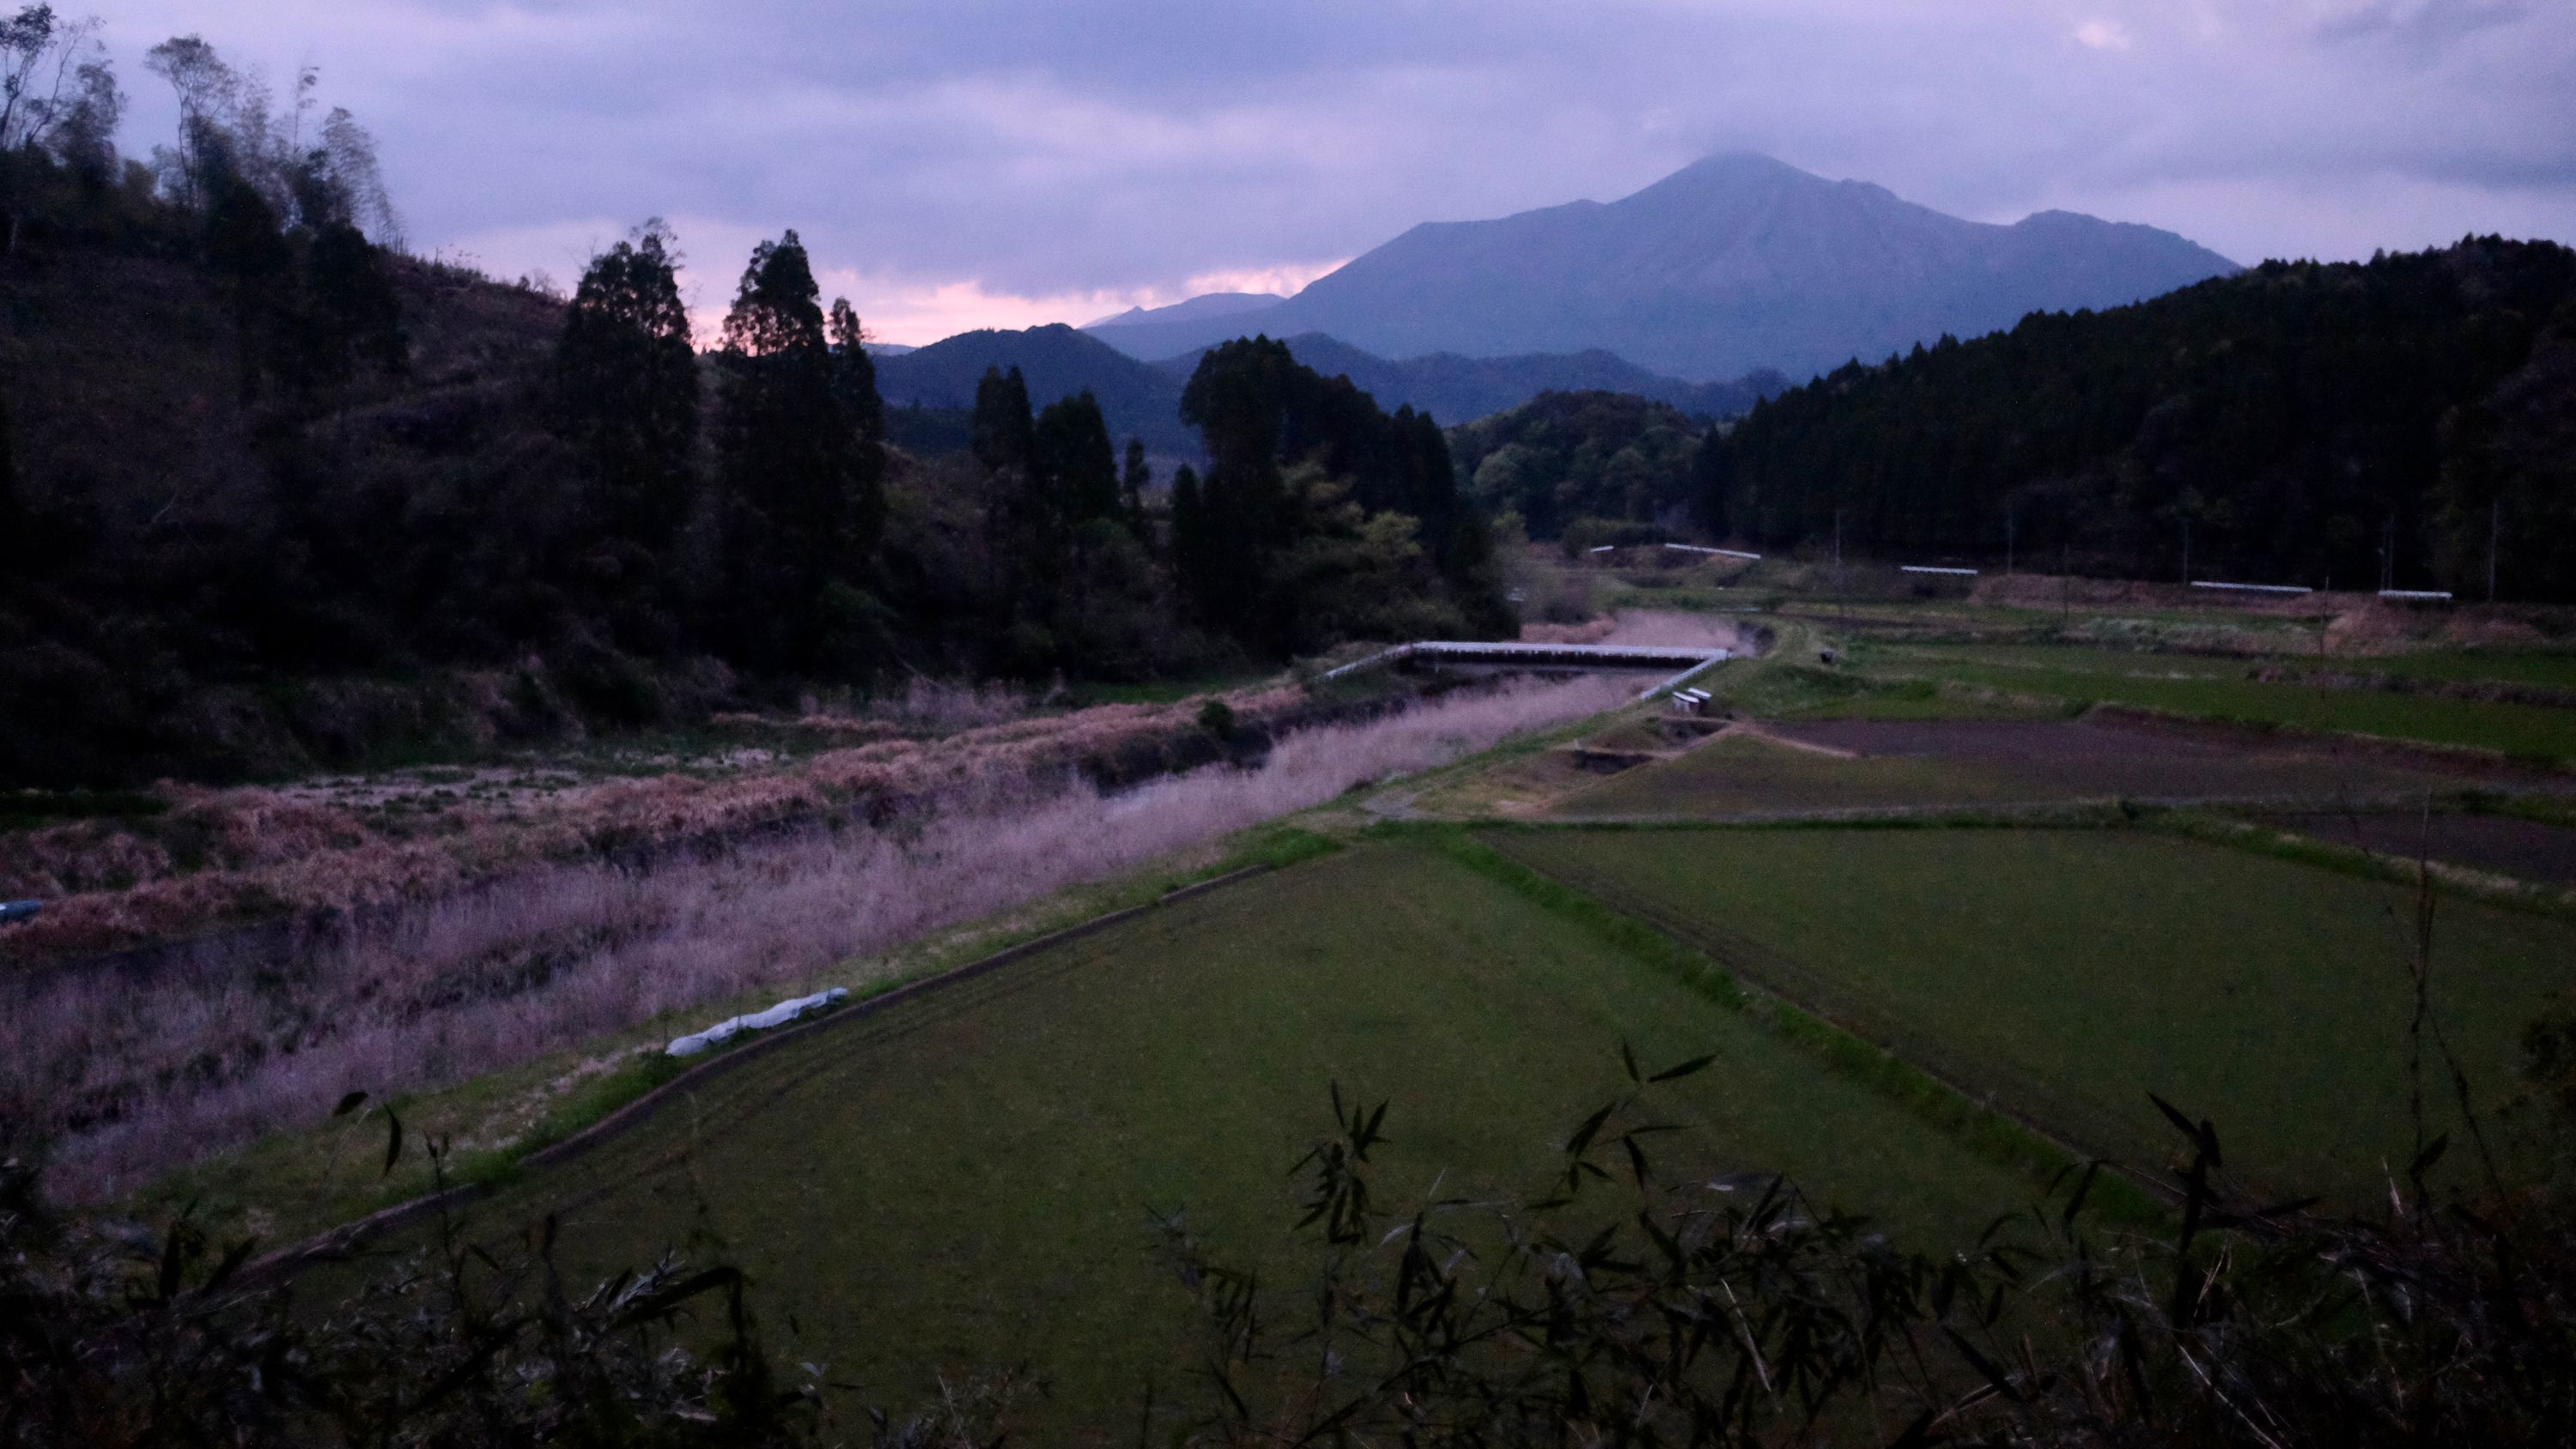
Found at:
(967, 1180)
(2073, 972)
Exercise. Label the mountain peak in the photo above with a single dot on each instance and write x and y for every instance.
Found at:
(1735, 262)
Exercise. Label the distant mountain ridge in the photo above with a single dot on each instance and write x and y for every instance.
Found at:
(1734, 263)
(1137, 399)
(1456, 389)
(1205, 305)
(1141, 399)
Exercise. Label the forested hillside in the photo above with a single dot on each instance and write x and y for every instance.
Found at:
(1456, 389)
(276, 495)
(1137, 399)
(2410, 420)
(1582, 463)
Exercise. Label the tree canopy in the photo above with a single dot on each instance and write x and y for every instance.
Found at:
(2302, 423)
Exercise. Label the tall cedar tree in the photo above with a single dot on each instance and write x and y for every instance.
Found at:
(1074, 458)
(1133, 480)
(13, 515)
(1003, 438)
(1189, 543)
(805, 490)
(626, 392)
(1239, 398)
(854, 376)
(1002, 435)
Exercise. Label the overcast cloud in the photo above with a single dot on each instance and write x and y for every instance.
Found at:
(958, 163)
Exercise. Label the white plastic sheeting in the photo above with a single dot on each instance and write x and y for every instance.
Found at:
(2253, 588)
(779, 1015)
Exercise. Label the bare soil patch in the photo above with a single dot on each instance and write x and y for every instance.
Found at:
(2506, 845)
(2130, 757)
(1829, 766)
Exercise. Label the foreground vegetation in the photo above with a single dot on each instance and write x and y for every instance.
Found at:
(1042, 1204)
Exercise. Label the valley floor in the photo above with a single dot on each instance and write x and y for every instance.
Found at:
(1947, 889)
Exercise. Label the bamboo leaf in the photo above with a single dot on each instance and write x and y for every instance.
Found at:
(1695, 1064)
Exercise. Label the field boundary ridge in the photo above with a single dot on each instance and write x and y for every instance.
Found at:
(339, 1242)
(2003, 1135)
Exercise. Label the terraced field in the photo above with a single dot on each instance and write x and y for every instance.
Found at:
(2220, 689)
(967, 1180)
(971, 1179)
(2537, 851)
(2069, 973)
(1801, 767)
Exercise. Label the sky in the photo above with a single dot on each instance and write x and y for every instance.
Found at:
(953, 164)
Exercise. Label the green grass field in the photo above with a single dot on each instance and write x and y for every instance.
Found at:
(2071, 972)
(965, 1181)
(2219, 689)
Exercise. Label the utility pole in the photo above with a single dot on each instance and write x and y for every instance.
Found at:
(2008, 541)
(1842, 590)
(2388, 553)
(2186, 546)
(2495, 532)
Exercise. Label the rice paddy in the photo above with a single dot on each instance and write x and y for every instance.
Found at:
(2073, 972)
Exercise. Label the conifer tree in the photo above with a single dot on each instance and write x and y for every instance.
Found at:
(1073, 455)
(1133, 480)
(854, 376)
(1002, 434)
(805, 496)
(13, 515)
(1190, 543)
(626, 389)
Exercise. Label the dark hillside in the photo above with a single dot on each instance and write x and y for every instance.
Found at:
(1566, 458)
(2286, 425)
(192, 565)
(277, 498)
(1136, 400)
(1455, 389)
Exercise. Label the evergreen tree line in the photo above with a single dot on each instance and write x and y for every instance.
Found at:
(2404, 421)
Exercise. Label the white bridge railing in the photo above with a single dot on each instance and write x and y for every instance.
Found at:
(1546, 656)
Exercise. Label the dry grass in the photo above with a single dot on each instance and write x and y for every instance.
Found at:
(134, 1077)
(220, 857)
